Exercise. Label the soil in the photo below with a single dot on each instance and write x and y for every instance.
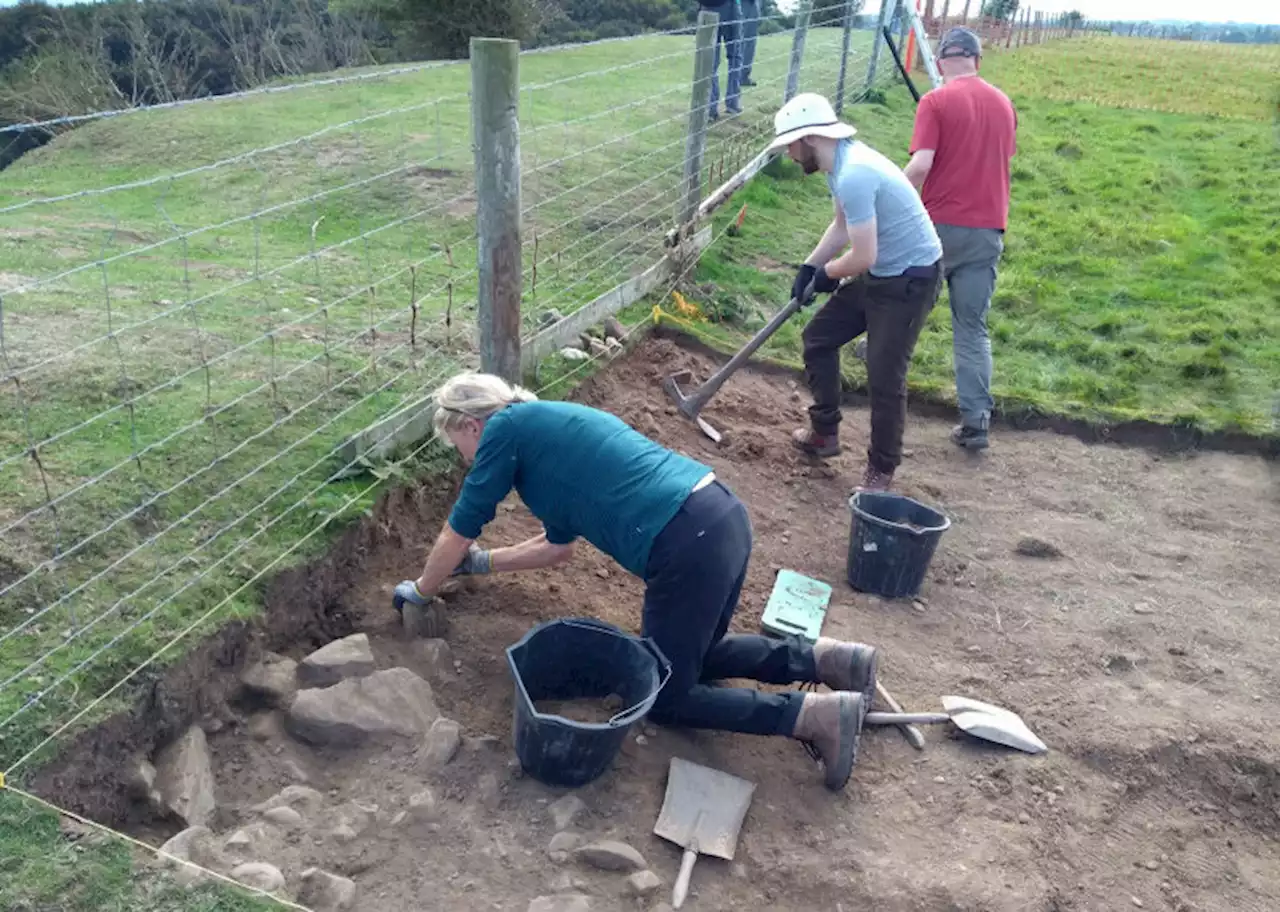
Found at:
(593, 710)
(1144, 657)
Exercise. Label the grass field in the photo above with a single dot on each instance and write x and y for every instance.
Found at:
(1141, 275)
(1140, 280)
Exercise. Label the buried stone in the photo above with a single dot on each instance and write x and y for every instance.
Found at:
(259, 875)
(349, 657)
(274, 680)
(395, 702)
(611, 855)
(184, 778)
(325, 892)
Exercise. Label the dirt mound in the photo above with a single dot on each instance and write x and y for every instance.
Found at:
(1160, 785)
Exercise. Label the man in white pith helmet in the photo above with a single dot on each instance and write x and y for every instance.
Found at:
(880, 261)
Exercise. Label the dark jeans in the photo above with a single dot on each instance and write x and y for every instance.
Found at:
(693, 580)
(891, 311)
(729, 34)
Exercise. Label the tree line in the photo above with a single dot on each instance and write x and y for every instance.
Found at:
(57, 61)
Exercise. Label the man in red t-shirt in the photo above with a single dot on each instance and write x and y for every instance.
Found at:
(960, 152)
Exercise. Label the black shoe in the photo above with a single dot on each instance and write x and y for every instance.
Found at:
(969, 438)
(734, 111)
(748, 82)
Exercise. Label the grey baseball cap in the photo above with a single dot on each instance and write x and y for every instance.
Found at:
(960, 42)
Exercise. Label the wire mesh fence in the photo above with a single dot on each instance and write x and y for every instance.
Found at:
(199, 305)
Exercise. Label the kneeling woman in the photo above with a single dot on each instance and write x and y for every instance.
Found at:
(663, 517)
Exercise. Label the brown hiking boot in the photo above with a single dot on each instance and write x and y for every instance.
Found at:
(873, 480)
(829, 725)
(847, 666)
(811, 443)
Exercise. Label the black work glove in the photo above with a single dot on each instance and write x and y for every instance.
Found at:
(823, 283)
(804, 278)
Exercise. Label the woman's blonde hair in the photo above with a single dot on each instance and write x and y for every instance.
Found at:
(476, 396)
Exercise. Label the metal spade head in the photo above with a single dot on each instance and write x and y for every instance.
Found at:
(992, 723)
(703, 809)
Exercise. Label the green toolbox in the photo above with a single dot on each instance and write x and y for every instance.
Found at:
(797, 606)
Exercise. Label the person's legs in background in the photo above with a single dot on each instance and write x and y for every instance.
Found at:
(750, 30)
(731, 35)
(714, 103)
(970, 256)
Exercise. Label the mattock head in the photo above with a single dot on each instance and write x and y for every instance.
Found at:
(687, 406)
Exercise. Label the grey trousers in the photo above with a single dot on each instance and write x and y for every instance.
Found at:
(969, 259)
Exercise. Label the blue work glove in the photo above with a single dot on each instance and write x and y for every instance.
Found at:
(408, 592)
(476, 562)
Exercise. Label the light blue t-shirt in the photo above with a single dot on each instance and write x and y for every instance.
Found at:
(867, 184)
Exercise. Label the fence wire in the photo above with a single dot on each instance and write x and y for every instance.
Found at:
(201, 305)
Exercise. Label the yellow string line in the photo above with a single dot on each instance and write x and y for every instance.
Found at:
(137, 843)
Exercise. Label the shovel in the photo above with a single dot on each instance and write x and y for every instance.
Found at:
(702, 813)
(693, 403)
(982, 720)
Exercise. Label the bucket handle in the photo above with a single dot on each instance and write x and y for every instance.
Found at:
(629, 714)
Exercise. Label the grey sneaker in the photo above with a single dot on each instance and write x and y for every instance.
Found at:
(969, 438)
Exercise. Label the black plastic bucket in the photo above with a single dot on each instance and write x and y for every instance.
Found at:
(576, 658)
(891, 542)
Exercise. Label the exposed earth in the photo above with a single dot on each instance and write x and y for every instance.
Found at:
(1122, 600)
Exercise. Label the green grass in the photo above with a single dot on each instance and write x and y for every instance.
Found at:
(1141, 273)
(41, 870)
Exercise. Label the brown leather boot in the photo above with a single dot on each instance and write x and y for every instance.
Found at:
(847, 666)
(829, 725)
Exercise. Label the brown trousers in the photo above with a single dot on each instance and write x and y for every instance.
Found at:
(891, 311)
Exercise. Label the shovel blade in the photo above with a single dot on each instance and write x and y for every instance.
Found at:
(992, 723)
(703, 809)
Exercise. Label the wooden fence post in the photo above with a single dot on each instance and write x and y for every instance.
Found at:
(495, 100)
(844, 56)
(876, 41)
(695, 141)
(797, 49)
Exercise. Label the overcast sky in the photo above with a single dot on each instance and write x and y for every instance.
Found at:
(1227, 11)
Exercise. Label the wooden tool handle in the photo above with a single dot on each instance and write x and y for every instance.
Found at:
(914, 736)
(682, 882)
